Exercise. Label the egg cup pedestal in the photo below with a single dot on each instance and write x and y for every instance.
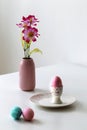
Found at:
(56, 100)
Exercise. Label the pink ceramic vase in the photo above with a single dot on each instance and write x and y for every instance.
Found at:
(27, 74)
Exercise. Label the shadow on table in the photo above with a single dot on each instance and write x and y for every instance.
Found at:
(37, 90)
(34, 121)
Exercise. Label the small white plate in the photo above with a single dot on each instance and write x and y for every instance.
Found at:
(44, 100)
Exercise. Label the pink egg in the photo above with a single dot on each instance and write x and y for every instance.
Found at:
(56, 82)
(28, 114)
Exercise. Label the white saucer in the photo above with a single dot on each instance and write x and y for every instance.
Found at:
(44, 100)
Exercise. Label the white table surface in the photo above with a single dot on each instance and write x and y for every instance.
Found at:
(74, 117)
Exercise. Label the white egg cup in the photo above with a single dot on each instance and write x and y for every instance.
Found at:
(56, 95)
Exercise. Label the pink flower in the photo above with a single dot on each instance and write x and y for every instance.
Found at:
(30, 34)
(28, 21)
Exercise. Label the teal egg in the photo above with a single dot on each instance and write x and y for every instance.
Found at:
(16, 113)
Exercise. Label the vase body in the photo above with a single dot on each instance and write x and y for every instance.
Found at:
(27, 74)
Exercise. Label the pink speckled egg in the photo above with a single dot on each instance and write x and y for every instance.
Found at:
(28, 114)
(56, 82)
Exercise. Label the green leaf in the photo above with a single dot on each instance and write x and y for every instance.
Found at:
(36, 50)
(22, 43)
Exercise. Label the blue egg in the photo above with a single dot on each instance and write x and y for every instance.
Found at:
(16, 113)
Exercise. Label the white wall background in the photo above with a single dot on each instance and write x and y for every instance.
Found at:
(63, 29)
